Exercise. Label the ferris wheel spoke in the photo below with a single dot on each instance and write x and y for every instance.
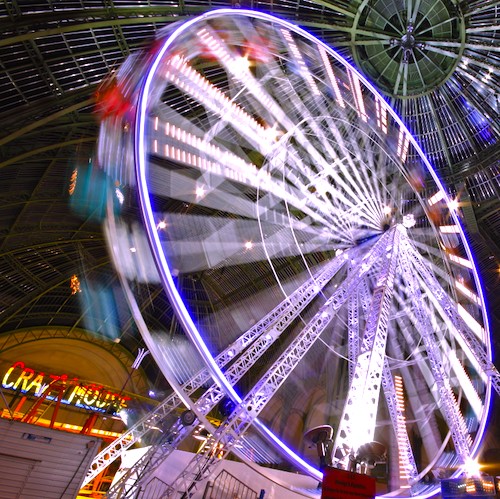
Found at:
(357, 145)
(223, 166)
(352, 189)
(187, 145)
(224, 241)
(454, 367)
(368, 188)
(267, 212)
(361, 202)
(343, 170)
(465, 329)
(429, 261)
(450, 407)
(463, 379)
(339, 208)
(214, 100)
(353, 184)
(457, 366)
(238, 67)
(295, 180)
(359, 205)
(306, 116)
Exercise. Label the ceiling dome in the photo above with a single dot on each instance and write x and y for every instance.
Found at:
(408, 50)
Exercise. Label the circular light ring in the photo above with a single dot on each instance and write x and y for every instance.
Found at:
(361, 87)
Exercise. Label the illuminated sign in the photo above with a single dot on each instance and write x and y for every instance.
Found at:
(342, 484)
(92, 397)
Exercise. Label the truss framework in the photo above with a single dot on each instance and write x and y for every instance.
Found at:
(395, 253)
(251, 345)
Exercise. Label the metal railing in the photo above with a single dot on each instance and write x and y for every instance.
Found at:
(226, 486)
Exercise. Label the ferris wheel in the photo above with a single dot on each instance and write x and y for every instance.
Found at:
(341, 285)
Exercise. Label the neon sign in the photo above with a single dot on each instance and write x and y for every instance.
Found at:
(92, 397)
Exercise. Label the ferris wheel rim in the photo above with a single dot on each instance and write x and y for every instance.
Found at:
(163, 265)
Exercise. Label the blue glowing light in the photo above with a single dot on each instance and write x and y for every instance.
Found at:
(150, 220)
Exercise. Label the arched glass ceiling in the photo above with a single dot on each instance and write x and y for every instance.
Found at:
(436, 60)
